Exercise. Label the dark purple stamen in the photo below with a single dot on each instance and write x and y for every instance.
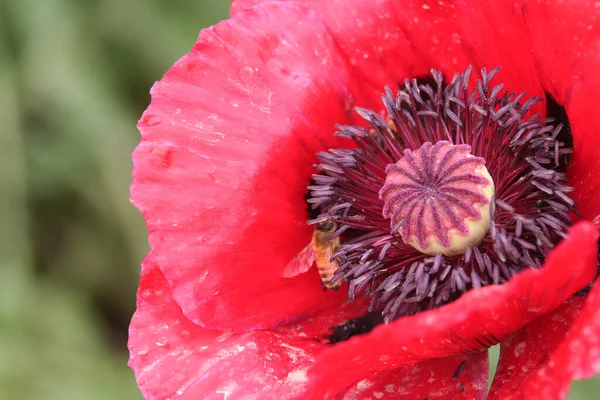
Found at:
(529, 213)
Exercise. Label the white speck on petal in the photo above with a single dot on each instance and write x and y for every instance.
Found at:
(298, 376)
(520, 348)
(227, 390)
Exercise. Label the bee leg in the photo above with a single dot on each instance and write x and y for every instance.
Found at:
(323, 286)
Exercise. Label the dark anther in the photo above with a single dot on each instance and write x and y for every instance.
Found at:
(355, 326)
(523, 216)
(313, 213)
(558, 113)
(459, 370)
(426, 81)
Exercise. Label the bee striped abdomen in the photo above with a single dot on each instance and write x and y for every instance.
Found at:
(325, 248)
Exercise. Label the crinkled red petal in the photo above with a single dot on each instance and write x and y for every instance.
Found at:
(565, 45)
(464, 376)
(580, 353)
(541, 360)
(370, 36)
(526, 352)
(537, 44)
(175, 359)
(240, 118)
(227, 149)
(387, 41)
(585, 165)
(476, 320)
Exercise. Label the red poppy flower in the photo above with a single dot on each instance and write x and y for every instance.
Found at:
(228, 147)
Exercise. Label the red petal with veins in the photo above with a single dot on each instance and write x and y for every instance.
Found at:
(227, 149)
(174, 358)
(464, 376)
(476, 320)
(537, 44)
(541, 360)
(386, 41)
(228, 145)
(565, 45)
(525, 353)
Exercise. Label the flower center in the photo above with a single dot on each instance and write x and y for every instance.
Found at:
(438, 198)
(452, 189)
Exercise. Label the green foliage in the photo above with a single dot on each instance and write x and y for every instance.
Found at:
(74, 78)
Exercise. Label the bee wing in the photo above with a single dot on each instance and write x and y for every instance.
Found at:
(300, 263)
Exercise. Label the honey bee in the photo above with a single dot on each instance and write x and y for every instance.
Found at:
(320, 250)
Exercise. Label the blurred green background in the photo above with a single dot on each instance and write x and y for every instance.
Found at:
(74, 79)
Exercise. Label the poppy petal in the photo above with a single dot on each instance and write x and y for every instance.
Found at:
(526, 352)
(387, 41)
(464, 376)
(176, 359)
(478, 319)
(227, 149)
(542, 359)
(565, 43)
(584, 167)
